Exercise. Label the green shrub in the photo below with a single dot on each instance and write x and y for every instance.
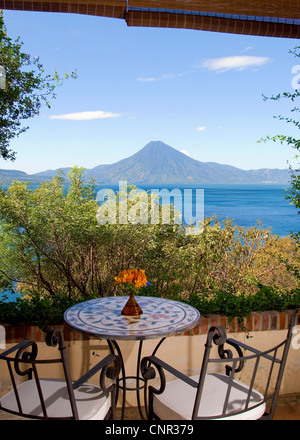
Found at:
(43, 311)
(46, 311)
(56, 253)
(242, 306)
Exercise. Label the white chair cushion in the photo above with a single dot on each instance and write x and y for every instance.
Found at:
(177, 401)
(91, 402)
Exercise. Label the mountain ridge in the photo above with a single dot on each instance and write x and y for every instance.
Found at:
(160, 163)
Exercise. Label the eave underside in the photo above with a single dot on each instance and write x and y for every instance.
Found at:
(275, 18)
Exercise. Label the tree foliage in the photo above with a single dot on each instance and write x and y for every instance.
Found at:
(292, 193)
(25, 89)
(51, 244)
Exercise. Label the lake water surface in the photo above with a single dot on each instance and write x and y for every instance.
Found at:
(245, 204)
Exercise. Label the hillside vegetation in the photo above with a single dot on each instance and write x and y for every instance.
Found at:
(52, 246)
(158, 163)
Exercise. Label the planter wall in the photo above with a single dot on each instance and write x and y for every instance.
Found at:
(258, 322)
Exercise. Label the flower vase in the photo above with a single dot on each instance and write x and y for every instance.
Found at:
(131, 308)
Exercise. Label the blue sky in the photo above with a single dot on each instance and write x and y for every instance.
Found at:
(199, 92)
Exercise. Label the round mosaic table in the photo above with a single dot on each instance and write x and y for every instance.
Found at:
(102, 318)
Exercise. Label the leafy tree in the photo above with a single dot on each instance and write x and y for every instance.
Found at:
(292, 193)
(24, 89)
(52, 243)
(48, 236)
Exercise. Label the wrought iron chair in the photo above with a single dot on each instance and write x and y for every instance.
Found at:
(40, 398)
(213, 394)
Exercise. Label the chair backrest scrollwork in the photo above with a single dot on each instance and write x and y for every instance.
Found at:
(22, 360)
(234, 362)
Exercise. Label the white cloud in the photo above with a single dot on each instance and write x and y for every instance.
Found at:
(171, 75)
(164, 76)
(234, 63)
(175, 75)
(142, 79)
(86, 116)
(201, 128)
(185, 152)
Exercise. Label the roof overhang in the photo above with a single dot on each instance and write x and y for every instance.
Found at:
(271, 18)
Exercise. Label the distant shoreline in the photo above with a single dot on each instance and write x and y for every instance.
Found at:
(159, 162)
(161, 185)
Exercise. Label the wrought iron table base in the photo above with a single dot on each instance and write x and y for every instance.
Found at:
(114, 346)
(102, 318)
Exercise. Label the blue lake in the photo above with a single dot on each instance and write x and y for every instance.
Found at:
(245, 204)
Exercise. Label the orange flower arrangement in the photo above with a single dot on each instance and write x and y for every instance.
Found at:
(133, 278)
(131, 281)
